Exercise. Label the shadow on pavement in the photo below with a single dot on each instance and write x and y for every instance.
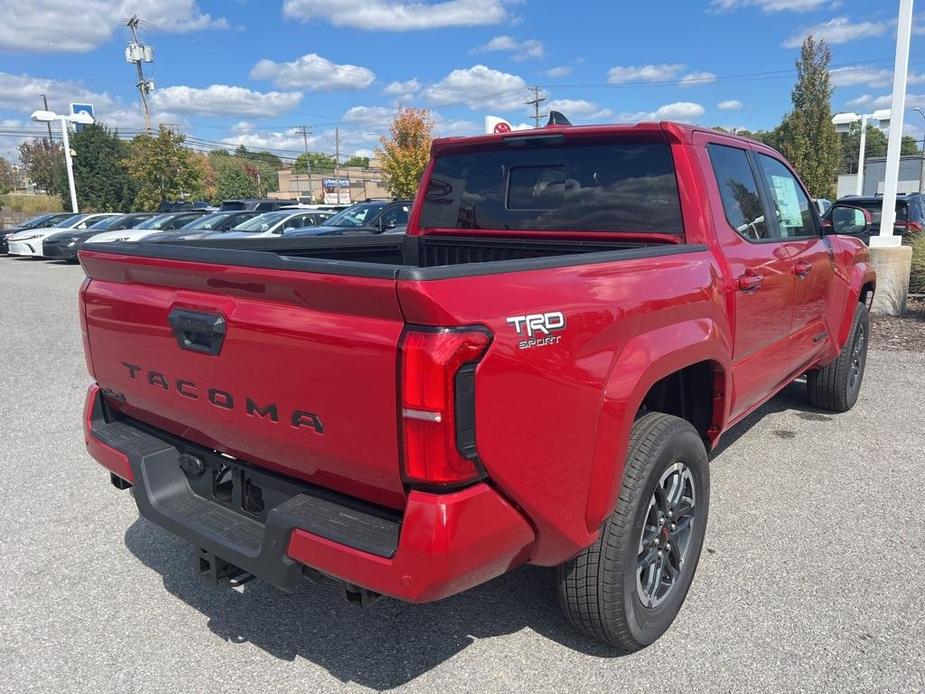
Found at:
(383, 646)
(390, 643)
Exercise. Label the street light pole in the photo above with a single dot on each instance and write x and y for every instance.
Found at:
(921, 158)
(860, 177)
(69, 164)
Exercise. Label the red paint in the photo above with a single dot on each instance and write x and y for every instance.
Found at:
(552, 423)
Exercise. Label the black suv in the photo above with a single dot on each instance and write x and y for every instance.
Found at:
(910, 213)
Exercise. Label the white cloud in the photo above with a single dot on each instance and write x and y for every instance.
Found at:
(729, 105)
(559, 71)
(369, 115)
(455, 127)
(693, 79)
(314, 73)
(680, 111)
(130, 118)
(287, 140)
(224, 100)
(773, 5)
(854, 75)
(398, 88)
(60, 26)
(24, 93)
(839, 30)
(388, 15)
(579, 109)
(683, 111)
(644, 73)
(520, 50)
(479, 87)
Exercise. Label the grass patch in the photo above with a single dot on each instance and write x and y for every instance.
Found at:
(917, 278)
(30, 204)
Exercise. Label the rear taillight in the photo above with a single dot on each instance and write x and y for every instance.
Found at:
(437, 379)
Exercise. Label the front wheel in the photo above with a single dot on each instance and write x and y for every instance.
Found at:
(836, 387)
(627, 588)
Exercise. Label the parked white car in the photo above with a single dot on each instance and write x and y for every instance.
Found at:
(274, 224)
(29, 242)
(168, 221)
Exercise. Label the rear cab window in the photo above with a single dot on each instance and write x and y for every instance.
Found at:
(555, 185)
(739, 191)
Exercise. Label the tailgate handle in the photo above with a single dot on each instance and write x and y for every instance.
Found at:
(197, 331)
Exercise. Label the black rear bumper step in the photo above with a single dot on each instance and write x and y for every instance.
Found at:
(197, 510)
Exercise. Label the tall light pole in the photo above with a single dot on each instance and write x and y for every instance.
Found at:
(843, 123)
(922, 157)
(81, 118)
(898, 105)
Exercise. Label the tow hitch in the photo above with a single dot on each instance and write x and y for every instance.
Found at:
(215, 571)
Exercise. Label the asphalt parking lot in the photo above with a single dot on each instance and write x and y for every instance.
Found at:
(811, 580)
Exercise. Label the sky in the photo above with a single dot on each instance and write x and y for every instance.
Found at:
(252, 71)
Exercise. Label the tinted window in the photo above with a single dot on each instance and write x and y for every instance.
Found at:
(739, 191)
(792, 208)
(550, 187)
(395, 216)
(875, 207)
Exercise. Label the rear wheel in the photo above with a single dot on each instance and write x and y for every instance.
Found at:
(627, 588)
(836, 387)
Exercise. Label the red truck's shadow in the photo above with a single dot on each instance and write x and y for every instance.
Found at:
(383, 646)
(390, 643)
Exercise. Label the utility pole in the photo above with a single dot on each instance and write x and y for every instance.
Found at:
(535, 103)
(306, 131)
(138, 53)
(337, 163)
(45, 103)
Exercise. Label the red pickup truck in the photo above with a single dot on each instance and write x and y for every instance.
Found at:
(534, 374)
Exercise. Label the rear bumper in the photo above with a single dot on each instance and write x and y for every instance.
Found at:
(440, 545)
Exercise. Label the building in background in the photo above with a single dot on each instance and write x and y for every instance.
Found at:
(910, 176)
(352, 184)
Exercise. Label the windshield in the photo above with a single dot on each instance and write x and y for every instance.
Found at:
(107, 223)
(356, 216)
(70, 222)
(263, 222)
(209, 221)
(875, 207)
(615, 186)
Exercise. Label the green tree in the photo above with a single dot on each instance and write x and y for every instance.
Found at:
(163, 169)
(362, 162)
(100, 176)
(234, 182)
(319, 162)
(808, 138)
(405, 153)
(875, 145)
(7, 176)
(43, 161)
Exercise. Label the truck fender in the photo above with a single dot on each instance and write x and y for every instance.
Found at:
(859, 276)
(644, 360)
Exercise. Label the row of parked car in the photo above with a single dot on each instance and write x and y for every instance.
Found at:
(61, 235)
(859, 216)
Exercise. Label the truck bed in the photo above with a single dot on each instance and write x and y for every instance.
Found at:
(398, 257)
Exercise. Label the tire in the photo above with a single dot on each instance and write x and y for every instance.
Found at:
(836, 387)
(598, 589)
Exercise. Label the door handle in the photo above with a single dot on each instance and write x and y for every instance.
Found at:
(750, 281)
(802, 269)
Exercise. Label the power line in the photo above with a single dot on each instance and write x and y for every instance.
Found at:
(535, 102)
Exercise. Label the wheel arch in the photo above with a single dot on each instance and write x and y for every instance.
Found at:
(646, 371)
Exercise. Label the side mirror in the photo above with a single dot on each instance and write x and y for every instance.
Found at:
(848, 220)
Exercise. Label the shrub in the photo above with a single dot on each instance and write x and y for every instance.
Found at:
(917, 278)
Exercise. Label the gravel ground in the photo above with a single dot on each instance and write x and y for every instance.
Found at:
(906, 332)
(811, 579)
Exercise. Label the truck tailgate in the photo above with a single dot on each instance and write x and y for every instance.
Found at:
(292, 371)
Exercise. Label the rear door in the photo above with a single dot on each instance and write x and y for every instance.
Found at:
(294, 371)
(760, 267)
(810, 255)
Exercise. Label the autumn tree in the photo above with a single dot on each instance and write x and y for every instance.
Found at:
(319, 162)
(43, 161)
(404, 154)
(234, 182)
(808, 137)
(163, 169)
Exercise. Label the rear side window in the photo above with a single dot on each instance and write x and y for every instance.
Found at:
(556, 187)
(739, 191)
(792, 208)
